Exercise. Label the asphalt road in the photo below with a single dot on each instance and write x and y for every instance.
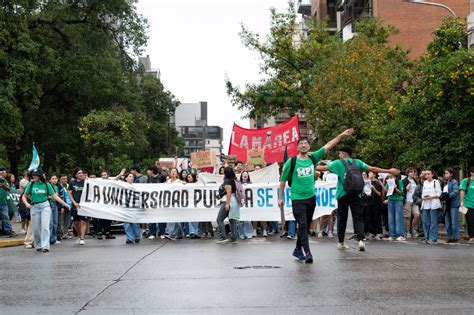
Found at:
(257, 276)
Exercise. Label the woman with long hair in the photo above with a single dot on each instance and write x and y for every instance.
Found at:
(53, 225)
(38, 191)
(452, 206)
(396, 221)
(193, 226)
(76, 185)
(430, 205)
(230, 208)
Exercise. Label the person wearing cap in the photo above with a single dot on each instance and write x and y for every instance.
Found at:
(345, 200)
(38, 191)
(303, 199)
(4, 189)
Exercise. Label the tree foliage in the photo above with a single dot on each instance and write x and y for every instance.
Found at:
(403, 111)
(63, 60)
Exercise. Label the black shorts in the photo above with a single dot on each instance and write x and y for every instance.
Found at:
(77, 217)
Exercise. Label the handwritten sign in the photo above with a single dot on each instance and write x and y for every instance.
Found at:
(256, 157)
(203, 159)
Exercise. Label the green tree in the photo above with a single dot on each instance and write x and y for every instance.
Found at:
(108, 134)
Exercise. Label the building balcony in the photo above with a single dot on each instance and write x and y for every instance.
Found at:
(304, 7)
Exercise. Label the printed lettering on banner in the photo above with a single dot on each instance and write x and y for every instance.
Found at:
(149, 203)
(273, 140)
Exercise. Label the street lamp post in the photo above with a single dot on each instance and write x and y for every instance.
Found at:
(434, 4)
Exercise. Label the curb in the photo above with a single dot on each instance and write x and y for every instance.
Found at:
(9, 243)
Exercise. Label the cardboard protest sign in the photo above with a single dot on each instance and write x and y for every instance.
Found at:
(256, 157)
(167, 163)
(203, 159)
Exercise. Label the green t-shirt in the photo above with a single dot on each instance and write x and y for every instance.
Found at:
(302, 184)
(395, 196)
(468, 193)
(338, 168)
(3, 193)
(40, 192)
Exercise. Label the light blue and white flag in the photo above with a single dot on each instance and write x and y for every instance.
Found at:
(35, 161)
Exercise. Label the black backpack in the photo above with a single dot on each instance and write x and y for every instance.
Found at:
(353, 182)
(293, 165)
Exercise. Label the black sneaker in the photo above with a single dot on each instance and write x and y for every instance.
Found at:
(298, 253)
(99, 236)
(45, 250)
(128, 242)
(308, 259)
(284, 234)
(12, 234)
(109, 236)
(137, 240)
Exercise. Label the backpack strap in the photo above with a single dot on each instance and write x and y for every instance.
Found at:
(346, 164)
(292, 170)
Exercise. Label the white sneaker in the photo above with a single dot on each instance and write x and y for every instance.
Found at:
(265, 234)
(362, 246)
(81, 242)
(390, 239)
(29, 246)
(23, 232)
(320, 234)
(330, 235)
(57, 243)
(162, 237)
(151, 237)
(401, 239)
(471, 241)
(379, 236)
(342, 246)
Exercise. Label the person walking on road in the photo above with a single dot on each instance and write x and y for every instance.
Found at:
(299, 172)
(352, 199)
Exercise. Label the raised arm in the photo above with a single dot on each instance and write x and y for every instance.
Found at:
(375, 169)
(331, 144)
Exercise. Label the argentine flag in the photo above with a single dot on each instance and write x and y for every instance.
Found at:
(35, 161)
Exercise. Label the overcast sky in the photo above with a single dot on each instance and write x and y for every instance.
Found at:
(196, 44)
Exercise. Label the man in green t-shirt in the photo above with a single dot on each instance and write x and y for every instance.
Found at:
(303, 199)
(467, 200)
(345, 200)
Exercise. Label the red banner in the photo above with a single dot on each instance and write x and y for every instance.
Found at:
(272, 139)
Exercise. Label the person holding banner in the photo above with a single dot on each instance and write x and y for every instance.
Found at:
(132, 230)
(230, 208)
(76, 185)
(351, 200)
(301, 182)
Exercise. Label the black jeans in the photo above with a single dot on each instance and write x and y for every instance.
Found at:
(374, 219)
(343, 204)
(103, 225)
(303, 211)
(470, 222)
(233, 223)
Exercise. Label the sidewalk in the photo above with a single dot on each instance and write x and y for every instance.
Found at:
(6, 241)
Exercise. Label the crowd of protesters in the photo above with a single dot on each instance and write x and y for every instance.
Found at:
(421, 202)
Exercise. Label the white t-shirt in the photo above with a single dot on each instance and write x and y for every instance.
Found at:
(432, 188)
(411, 191)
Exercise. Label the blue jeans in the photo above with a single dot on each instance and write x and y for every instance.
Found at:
(53, 223)
(174, 229)
(396, 227)
(245, 229)
(291, 228)
(133, 231)
(7, 227)
(430, 224)
(452, 223)
(273, 226)
(40, 219)
(194, 228)
(161, 228)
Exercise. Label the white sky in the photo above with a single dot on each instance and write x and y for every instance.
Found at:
(196, 43)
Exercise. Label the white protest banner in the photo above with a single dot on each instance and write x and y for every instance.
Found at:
(267, 174)
(151, 203)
